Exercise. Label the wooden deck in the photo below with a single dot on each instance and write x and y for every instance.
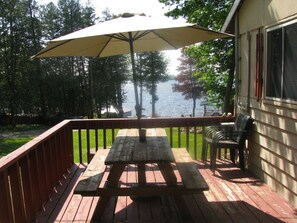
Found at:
(234, 196)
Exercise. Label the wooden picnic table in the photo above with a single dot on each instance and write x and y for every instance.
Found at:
(126, 150)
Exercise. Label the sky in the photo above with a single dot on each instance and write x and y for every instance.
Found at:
(149, 7)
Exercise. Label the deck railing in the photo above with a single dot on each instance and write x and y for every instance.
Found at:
(28, 175)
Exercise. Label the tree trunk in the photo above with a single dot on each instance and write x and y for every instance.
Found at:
(153, 99)
(194, 106)
(120, 101)
(140, 97)
(228, 100)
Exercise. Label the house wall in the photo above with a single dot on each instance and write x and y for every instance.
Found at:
(272, 145)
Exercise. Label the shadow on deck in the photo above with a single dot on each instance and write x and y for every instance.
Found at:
(234, 196)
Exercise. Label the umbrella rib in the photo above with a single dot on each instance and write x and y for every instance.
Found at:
(107, 42)
(119, 36)
(42, 52)
(136, 36)
(165, 40)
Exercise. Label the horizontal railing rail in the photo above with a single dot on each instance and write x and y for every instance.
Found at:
(88, 131)
(29, 175)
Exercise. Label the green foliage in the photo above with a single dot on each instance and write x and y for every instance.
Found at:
(18, 30)
(212, 69)
(214, 59)
(46, 86)
(207, 13)
(187, 82)
(109, 74)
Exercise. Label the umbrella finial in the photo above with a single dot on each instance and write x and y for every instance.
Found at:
(128, 14)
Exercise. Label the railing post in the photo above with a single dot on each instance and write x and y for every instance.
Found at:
(203, 149)
(88, 145)
(104, 139)
(187, 138)
(6, 213)
(79, 145)
(171, 137)
(16, 192)
(27, 188)
(195, 143)
(179, 143)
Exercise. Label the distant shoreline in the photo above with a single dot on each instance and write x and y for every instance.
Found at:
(170, 104)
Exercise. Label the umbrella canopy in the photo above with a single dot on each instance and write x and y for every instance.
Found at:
(129, 34)
(113, 37)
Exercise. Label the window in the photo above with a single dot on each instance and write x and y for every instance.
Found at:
(282, 62)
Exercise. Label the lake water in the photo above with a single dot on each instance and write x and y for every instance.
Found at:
(170, 104)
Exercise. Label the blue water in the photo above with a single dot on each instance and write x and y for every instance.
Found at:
(170, 104)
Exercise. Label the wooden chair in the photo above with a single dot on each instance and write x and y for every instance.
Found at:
(231, 137)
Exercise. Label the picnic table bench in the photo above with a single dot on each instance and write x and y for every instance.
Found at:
(128, 150)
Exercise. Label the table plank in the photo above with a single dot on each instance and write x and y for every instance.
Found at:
(129, 150)
(152, 144)
(115, 152)
(128, 147)
(139, 152)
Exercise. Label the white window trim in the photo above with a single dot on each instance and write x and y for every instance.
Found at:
(265, 71)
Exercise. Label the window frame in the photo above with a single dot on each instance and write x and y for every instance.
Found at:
(267, 58)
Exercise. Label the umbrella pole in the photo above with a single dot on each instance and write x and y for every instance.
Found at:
(137, 106)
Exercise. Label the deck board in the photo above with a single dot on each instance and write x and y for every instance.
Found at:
(234, 196)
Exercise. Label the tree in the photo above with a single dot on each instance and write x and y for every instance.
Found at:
(215, 59)
(68, 80)
(109, 75)
(17, 40)
(188, 84)
(34, 72)
(152, 69)
(49, 85)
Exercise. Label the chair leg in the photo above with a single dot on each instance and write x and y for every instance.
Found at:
(213, 156)
(219, 153)
(204, 150)
(241, 159)
(232, 155)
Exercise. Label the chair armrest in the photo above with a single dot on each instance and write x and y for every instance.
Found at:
(210, 131)
(219, 135)
(227, 124)
(232, 135)
(237, 133)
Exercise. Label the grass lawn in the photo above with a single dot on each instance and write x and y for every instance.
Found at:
(92, 142)
(184, 140)
(13, 138)
(7, 145)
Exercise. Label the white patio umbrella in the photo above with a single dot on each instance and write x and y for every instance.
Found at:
(129, 33)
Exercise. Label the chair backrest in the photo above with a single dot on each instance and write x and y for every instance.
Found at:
(242, 126)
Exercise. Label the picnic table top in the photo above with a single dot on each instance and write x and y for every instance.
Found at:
(127, 149)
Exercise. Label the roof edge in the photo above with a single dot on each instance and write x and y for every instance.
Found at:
(231, 14)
